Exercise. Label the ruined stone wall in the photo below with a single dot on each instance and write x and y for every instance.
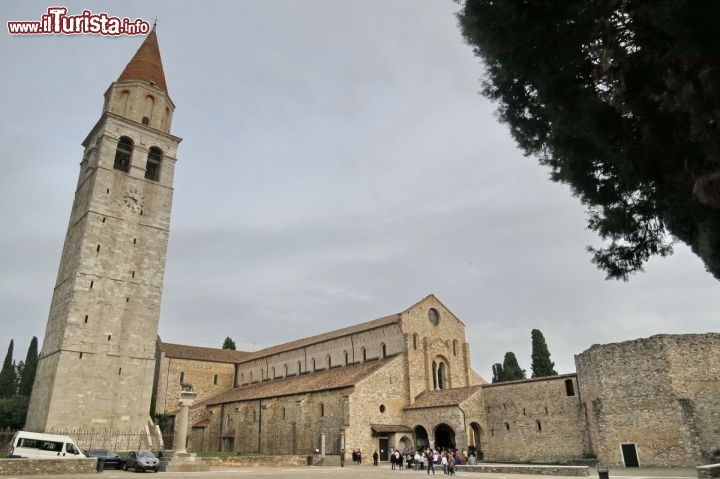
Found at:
(534, 420)
(659, 394)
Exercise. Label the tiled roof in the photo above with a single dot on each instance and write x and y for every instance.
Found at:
(334, 378)
(381, 428)
(443, 397)
(299, 343)
(203, 423)
(146, 65)
(197, 353)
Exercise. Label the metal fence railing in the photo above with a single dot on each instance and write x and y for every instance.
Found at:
(113, 440)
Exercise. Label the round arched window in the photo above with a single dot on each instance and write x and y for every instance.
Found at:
(382, 408)
(434, 316)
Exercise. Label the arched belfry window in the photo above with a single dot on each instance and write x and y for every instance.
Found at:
(123, 154)
(152, 169)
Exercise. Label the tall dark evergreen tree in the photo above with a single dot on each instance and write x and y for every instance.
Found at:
(511, 368)
(541, 365)
(28, 374)
(622, 101)
(498, 373)
(8, 379)
(229, 343)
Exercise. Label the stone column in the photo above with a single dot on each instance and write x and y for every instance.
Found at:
(187, 399)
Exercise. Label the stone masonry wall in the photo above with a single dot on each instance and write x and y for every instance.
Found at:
(534, 420)
(208, 378)
(26, 467)
(386, 388)
(659, 394)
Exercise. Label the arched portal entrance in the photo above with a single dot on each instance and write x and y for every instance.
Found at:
(421, 437)
(444, 437)
(404, 443)
(474, 435)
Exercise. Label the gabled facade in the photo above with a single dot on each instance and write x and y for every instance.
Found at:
(407, 383)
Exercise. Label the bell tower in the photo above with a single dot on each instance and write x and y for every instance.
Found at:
(98, 357)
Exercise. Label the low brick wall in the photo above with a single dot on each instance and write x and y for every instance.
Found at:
(528, 469)
(709, 471)
(27, 467)
(255, 461)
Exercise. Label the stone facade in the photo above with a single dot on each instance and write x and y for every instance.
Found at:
(407, 382)
(97, 362)
(543, 416)
(654, 401)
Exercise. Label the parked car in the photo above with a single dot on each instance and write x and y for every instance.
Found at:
(111, 459)
(141, 461)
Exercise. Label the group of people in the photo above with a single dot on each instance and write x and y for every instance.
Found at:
(422, 459)
(428, 459)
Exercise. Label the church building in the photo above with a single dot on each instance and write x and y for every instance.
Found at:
(400, 381)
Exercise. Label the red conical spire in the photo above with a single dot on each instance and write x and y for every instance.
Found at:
(146, 65)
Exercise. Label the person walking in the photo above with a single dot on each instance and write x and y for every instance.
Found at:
(430, 462)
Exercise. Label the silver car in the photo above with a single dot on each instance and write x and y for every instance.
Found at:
(141, 461)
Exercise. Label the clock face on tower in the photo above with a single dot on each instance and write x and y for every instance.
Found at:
(133, 200)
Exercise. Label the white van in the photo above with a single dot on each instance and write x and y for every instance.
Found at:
(36, 445)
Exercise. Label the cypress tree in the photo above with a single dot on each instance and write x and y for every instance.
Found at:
(229, 344)
(541, 364)
(28, 374)
(498, 373)
(8, 378)
(511, 367)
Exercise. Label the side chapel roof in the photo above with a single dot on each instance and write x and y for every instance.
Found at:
(443, 397)
(335, 378)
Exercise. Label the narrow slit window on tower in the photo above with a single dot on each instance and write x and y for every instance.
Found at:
(80, 355)
(98, 248)
(86, 318)
(507, 426)
(123, 154)
(134, 240)
(107, 191)
(127, 300)
(215, 380)
(119, 371)
(103, 220)
(539, 426)
(109, 337)
(92, 283)
(152, 169)
(133, 274)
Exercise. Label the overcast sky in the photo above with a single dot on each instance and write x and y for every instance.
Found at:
(338, 165)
